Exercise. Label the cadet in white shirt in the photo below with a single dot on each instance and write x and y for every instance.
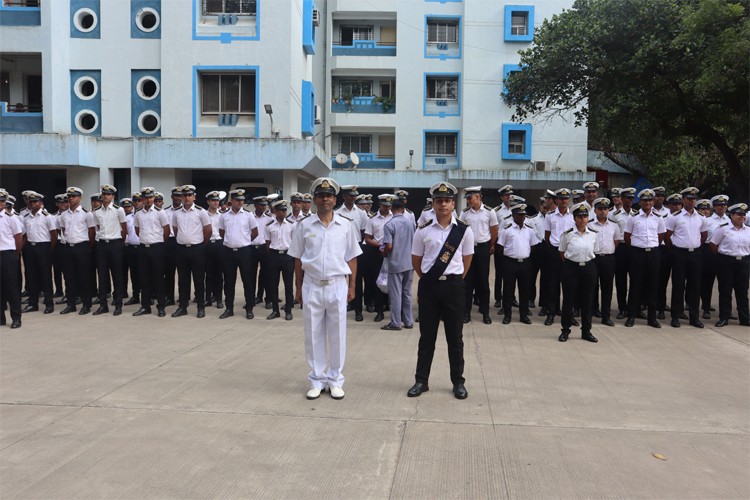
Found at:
(40, 239)
(441, 254)
(555, 224)
(622, 254)
(214, 253)
(352, 209)
(516, 242)
(132, 244)
(170, 252)
(192, 229)
(61, 201)
(11, 242)
(259, 256)
(153, 229)
(590, 194)
(731, 241)
(502, 214)
(372, 257)
(609, 239)
(710, 260)
(484, 225)
(578, 248)
(238, 227)
(112, 230)
(324, 246)
(79, 229)
(686, 232)
(278, 240)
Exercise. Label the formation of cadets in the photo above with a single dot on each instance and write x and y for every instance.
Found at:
(579, 256)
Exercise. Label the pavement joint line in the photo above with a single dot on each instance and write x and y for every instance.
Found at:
(401, 420)
(402, 430)
(478, 355)
(23, 438)
(714, 330)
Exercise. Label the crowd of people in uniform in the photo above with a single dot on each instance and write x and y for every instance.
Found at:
(603, 256)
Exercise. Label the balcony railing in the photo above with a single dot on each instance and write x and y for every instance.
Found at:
(20, 13)
(371, 161)
(364, 48)
(21, 119)
(363, 105)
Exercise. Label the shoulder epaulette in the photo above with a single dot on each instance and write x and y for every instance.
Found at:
(247, 209)
(665, 216)
(223, 210)
(84, 209)
(268, 224)
(497, 209)
(568, 231)
(725, 224)
(26, 214)
(612, 220)
(426, 223)
(617, 211)
(115, 205)
(466, 209)
(593, 230)
(44, 211)
(508, 216)
(198, 206)
(372, 214)
(409, 211)
(529, 226)
(304, 217)
(97, 208)
(507, 226)
(634, 211)
(345, 217)
(462, 222)
(157, 207)
(139, 209)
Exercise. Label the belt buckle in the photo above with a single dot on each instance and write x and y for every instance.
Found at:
(443, 278)
(738, 258)
(71, 244)
(520, 261)
(235, 249)
(188, 245)
(147, 245)
(324, 282)
(32, 243)
(691, 249)
(581, 264)
(647, 249)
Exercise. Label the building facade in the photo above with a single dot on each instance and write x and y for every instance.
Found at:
(273, 93)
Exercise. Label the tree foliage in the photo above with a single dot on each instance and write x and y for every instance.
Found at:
(663, 80)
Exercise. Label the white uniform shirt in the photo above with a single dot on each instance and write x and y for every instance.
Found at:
(620, 217)
(109, 220)
(238, 227)
(644, 229)
(732, 241)
(429, 240)
(502, 212)
(375, 226)
(189, 225)
(480, 221)
(10, 226)
(356, 214)
(58, 223)
(557, 223)
(426, 215)
(517, 240)
(325, 251)
(37, 227)
(608, 233)
(279, 235)
(214, 218)
(537, 222)
(131, 238)
(261, 222)
(715, 221)
(687, 228)
(169, 211)
(76, 224)
(579, 247)
(150, 224)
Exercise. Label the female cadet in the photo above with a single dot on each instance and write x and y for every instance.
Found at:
(578, 248)
(732, 243)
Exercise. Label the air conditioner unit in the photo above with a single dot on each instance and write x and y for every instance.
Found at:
(542, 166)
(318, 115)
(316, 17)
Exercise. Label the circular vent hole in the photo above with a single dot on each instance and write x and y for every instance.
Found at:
(88, 88)
(85, 20)
(147, 20)
(149, 88)
(149, 122)
(86, 121)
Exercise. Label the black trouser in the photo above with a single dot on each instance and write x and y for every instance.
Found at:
(438, 301)
(38, 258)
(516, 271)
(644, 265)
(622, 265)
(578, 281)
(733, 274)
(687, 268)
(26, 270)
(369, 287)
(10, 286)
(498, 260)
(131, 267)
(537, 270)
(78, 273)
(478, 278)
(57, 266)
(242, 258)
(151, 269)
(374, 263)
(605, 269)
(258, 268)
(281, 264)
(214, 270)
(708, 277)
(191, 261)
(358, 284)
(170, 265)
(109, 257)
(665, 269)
(554, 270)
(93, 262)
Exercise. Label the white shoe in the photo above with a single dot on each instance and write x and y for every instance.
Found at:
(314, 393)
(337, 392)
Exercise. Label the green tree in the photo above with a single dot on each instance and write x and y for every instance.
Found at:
(664, 81)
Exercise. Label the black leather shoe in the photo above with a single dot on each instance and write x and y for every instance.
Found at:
(408, 327)
(370, 309)
(706, 315)
(219, 304)
(201, 312)
(416, 320)
(390, 327)
(597, 314)
(379, 317)
(68, 310)
(498, 304)
(358, 317)
(563, 336)
(550, 319)
(467, 318)
(460, 391)
(179, 312)
(476, 301)
(630, 322)
(506, 320)
(142, 311)
(684, 316)
(249, 314)
(525, 320)
(576, 313)
(258, 300)
(101, 310)
(501, 311)
(209, 303)
(169, 302)
(515, 303)
(133, 300)
(29, 309)
(589, 338)
(417, 389)
(226, 314)
(269, 305)
(532, 304)
(61, 301)
(660, 315)
(712, 309)
(49, 309)
(641, 315)
(675, 323)
(543, 311)
(84, 310)
(608, 322)
(288, 316)
(575, 322)
(16, 323)
(697, 324)
(722, 322)
(95, 301)
(486, 319)
(274, 315)
(161, 312)
(620, 315)
(118, 311)
(654, 324)
(667, 308)
(349, 307)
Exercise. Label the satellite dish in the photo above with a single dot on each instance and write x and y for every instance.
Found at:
(341, 158)
(354, 158)
(222, 195)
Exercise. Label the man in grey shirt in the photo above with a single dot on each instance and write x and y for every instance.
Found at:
(398, 234)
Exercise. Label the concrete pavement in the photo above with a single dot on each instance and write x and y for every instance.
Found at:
(95, 407)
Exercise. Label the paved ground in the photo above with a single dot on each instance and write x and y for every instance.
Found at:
(126, 407)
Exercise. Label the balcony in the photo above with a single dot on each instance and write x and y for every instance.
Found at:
(368, 161)
(376, 151)
(20, 13)
(362, 36)
(20, 92)
(20, 119)
(373, 104)
(364, 48)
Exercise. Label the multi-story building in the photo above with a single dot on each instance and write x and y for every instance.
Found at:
(274, 92)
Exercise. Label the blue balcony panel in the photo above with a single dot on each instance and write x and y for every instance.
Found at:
(362, 105)
(368, 161)
(20, 123)
(364, 48)
(442, 107)
(20, 16)
(441, 163)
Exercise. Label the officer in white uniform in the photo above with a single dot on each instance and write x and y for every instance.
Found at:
(590, 193)
(622, 254)
(352, 209)
(502, 212)
(710, 260)
(61, 201)
(170, 252)
(79, 229)
(112, 230)
(609, 238)
(11, 242)
(258, 262)
(516, 242)
(325, 249)
(373, 258)
(296, 202)
(40, 239)
(555, 224)
(153, 228)
(731, 242)
(132, 245)
(307, 204)
(280, 263)
(214, 252)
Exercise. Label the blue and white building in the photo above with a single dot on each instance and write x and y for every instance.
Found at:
(278, 92)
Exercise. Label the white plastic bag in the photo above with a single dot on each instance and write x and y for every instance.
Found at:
(382, 280)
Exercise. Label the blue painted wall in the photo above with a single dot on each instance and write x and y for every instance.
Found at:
(75, 5)
(138, 105)
(94, 104)
(507, 128)
(20, 16)
(308, 109)
(135, 7)
(308, 29)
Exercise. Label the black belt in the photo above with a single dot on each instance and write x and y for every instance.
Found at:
(77, 244)
(7, 251)
(280, 252)
(649, 249)
(579, 264)
(484, 243)
(188, 245)
(109, 241)
(217, 241)
(35, 243)
(684, 249)
(604, 254)
(513, 259)
(149, 245)
(450, 277)
(735, 257)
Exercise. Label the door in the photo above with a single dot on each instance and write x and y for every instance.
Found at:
(387, 146)
(34, 93)
(388, 35)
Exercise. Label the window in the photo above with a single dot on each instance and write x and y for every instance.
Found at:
(227, 93)
(442, 88)
(237, 7)
(355, 143)
(517, 142)
(441, 144)
(347, 34)
(357, 88)
(445, 31)
(519, 23)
